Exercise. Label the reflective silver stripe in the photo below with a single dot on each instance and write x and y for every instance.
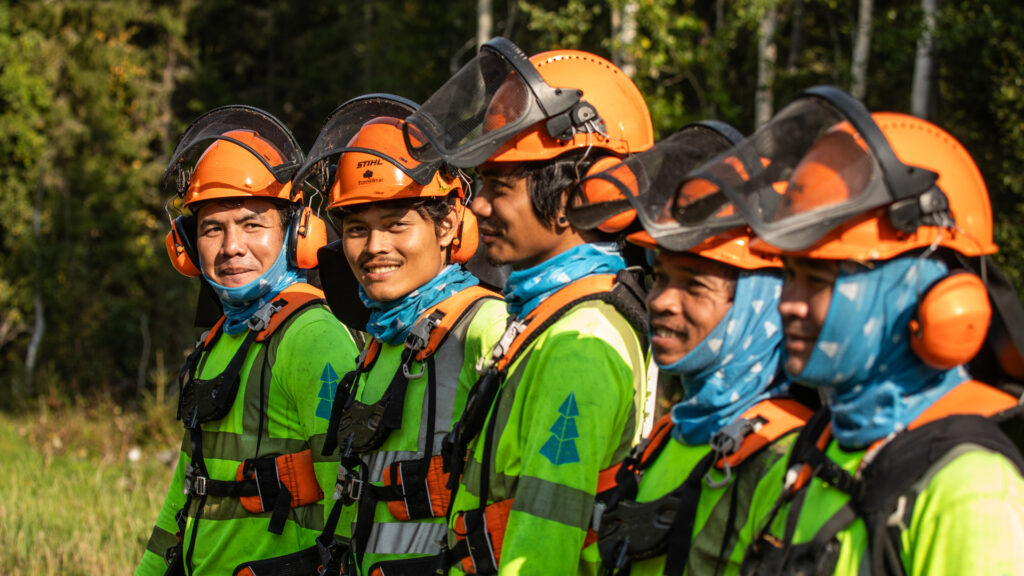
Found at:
(406, 537)
(448, 363)
(378, 462)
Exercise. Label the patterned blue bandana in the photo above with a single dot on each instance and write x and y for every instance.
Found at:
(876, 384)
(242, 302)
(391, 321)
(526, 289)
(736, 365)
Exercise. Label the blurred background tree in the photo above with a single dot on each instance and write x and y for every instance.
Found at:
(93, 95)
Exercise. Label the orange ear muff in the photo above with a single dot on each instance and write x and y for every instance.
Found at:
(306, 235)
(468, 236)
(181, 248)
(599, 190)
(951, 321)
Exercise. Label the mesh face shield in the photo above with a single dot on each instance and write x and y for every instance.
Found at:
(342, 126)
(213, 126)
(835, 160)
(678, 211)
(496, 95)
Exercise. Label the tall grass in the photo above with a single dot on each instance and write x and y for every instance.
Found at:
(81, 485)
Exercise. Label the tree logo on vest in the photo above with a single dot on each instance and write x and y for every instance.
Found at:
(328, 385)
(561, 446)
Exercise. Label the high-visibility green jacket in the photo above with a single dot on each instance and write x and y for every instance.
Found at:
(716, 547)
(967, 517)
(566, 411)
(298, 367)
(454, 374)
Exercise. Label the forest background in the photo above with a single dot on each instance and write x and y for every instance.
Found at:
(94, 94)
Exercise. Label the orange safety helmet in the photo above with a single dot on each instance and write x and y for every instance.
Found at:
(731, 247)
(838, 165)
(374, 164)
(870, 187)
(236, 152)
(622, 124)
(677, 211)
(504, 107)
(363, 174)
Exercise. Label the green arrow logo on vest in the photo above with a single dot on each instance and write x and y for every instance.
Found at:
(561, 446)
(328, 385)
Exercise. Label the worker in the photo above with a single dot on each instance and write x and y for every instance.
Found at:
(682, 501)
(405, 237)
(249, 481)
(886, 232)
(557, 406)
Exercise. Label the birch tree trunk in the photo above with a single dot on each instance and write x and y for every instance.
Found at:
(921, 89)
(624, 33)
(766, 62)
(484, 22)
(39, 327)
(861, 49)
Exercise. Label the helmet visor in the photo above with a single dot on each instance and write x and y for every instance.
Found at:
(495, 96)
(213, 126)
(339, 132)
(678, 212)
(824, 146)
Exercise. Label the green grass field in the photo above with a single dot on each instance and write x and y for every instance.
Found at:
(80, 487)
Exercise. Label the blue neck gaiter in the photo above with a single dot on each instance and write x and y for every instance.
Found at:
(391, 321)
(526, 289)
(736, 365)
(242, 302)
(876, 384)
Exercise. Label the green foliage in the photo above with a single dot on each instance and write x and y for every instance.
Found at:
(93, 95)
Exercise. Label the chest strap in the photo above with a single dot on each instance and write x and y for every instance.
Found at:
(206, 400)
(889, 468)
(621, 290)
(413, 489)
(632, 531)
(357, 427)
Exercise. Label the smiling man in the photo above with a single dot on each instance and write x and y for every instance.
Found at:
(405, 237)
(250, 481)
(559, 399)
(686, 501)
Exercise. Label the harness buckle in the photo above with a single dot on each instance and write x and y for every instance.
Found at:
(726, 442)
(261, 318)
(514, 329)
(417, 340)
(348, 488)
(194, 483)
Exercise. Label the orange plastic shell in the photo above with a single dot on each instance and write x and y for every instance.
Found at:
(732, 247)
(616, 98)
(226, 170)
(871, 236)
(951, 321)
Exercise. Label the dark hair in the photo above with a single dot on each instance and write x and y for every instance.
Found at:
(433, 208)
(548, 180)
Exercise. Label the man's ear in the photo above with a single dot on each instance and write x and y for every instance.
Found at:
(449, 227)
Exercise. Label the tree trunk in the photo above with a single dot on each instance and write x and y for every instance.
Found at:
(797, 37)
(861, 50)
(766, 61)
(484, 22)
(624, 35)
(37, 302)
(140, 375)
(921, 89)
